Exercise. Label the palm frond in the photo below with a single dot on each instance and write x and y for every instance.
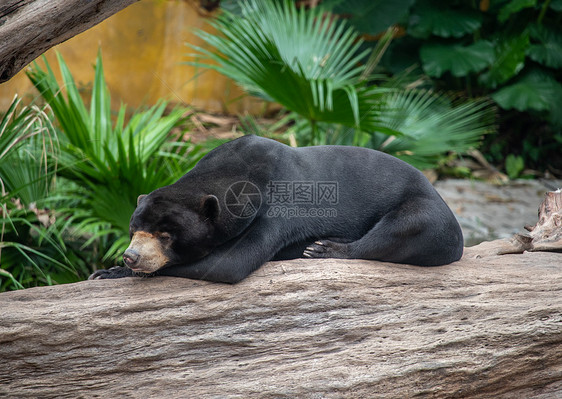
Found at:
(26, 137)
(110, 160)
(303, 59)
(431, 125)
(311, 63)
(31, 250)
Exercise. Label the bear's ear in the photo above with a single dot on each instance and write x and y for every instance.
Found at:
(210, 207)
(140, 198)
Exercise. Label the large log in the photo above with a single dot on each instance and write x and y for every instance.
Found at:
(330, 328)
(28, 28)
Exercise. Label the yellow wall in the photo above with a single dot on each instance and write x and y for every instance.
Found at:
(143, 47)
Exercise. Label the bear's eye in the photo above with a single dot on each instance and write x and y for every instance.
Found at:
(165, 236)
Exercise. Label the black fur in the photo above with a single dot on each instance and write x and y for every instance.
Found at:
(384, 210)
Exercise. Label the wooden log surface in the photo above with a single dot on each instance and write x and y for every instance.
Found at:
(28, 28)
(479, 328)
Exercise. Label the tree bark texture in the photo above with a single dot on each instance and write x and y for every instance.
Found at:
(28, 28)
(478, 328)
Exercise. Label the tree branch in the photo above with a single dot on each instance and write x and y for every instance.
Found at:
(28, 28)
(546, 235)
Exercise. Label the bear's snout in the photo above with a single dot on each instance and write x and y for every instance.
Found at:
(145, 253)
(131, 257)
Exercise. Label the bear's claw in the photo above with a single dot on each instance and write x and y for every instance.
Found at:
(323, 249)
(114, 272)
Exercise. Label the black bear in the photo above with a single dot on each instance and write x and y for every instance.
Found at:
(253, 199)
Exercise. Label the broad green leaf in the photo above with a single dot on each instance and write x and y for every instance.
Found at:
(513, 7)
(547, 55)
(299, 58)
(533, 92)
(310, 63)
(434, 18)
(548, 51)
(514, 165)
(370, 16)
(457, 59)
(556, 5)
(509, 60)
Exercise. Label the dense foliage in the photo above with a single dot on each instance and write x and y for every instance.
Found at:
(356, 72)
(314, 65)
(510, 50)
(30, 247)
(78, 171)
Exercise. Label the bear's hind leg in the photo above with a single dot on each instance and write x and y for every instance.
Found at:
(380, 243)
(418, 233)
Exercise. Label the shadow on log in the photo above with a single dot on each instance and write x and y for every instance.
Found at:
(478, 328)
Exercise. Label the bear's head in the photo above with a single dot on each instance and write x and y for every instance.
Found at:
(166, 230)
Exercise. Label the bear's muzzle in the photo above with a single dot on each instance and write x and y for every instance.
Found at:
(145, 253)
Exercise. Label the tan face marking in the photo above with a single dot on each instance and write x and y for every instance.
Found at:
(150, 250)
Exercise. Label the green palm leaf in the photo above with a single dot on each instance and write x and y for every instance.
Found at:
(457, 59)
(30, 251)
(548, 50)
(302, 60)
(431, 125)
(26, 136)
(431, 17)
(310, 62)
(109, 160)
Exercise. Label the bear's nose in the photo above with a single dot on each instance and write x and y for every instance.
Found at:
(131, 257)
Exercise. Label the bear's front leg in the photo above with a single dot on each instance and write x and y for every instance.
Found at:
(233, 261)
